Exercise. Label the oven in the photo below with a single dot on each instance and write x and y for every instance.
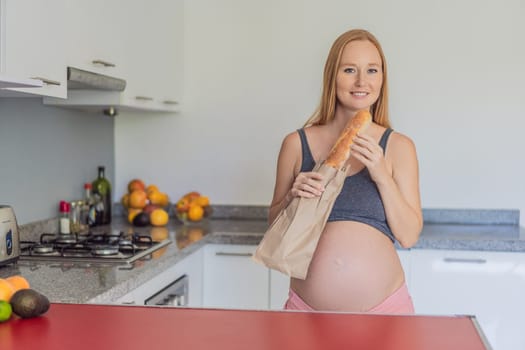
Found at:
(174, 294)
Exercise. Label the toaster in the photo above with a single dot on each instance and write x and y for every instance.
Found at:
(9, 238)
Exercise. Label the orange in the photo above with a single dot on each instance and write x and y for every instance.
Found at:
(159, 217)
(191, 195)
(203, 201)
(195, 213)
(18, 282)
(125, 200)
(136, 184)
(6, 290)
(138, 199)
(164, 199)
(155, 197)
(132, 212)
(152, 188)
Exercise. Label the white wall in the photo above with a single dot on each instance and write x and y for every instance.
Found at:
(48, 153)
(252, 73)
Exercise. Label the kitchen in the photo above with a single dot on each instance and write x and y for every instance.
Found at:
(227, 76)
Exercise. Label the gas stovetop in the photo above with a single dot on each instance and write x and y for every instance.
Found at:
(119, 248)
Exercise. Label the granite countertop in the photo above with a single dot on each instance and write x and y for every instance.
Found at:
(71, 282)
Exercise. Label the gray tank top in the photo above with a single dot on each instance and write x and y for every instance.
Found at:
(359, 199)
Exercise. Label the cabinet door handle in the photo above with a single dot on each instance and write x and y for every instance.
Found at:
(233, 254)
(144, 98)
(47, 81)
(104, 63)
(465, 260)
(170, 102)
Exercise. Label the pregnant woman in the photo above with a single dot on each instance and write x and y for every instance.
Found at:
(355, 266)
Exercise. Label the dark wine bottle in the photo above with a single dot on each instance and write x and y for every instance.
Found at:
(102, 189)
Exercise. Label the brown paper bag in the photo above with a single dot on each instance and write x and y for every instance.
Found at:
(290, 242)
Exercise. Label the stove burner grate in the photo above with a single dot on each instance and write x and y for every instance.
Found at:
(42, 249)
(91, 247)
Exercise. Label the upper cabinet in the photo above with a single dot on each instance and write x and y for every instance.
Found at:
(31, 48)
(95, 32)
(138, 41)
(154, 53)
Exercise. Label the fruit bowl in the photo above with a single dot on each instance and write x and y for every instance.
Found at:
(192, 208)
(141, 204)
(158, 216)
(184, 217)
(148, 209)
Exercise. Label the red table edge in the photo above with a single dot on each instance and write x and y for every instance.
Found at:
(481, 334)
(472, 318)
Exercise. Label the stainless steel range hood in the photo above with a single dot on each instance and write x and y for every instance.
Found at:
(78, 79)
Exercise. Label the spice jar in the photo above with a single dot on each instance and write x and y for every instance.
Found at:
(63, 219)
(74, 217)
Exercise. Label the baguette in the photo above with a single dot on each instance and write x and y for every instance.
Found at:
(340, 152)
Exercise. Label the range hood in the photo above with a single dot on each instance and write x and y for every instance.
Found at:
(78, 79)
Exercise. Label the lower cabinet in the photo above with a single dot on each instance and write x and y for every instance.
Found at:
(279, 287)
(232, 279)
(488, 285)
(190, 268)
(404, 258)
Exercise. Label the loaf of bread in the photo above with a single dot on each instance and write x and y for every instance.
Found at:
(340, 152)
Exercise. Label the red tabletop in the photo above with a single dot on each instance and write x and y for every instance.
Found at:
(83, 327)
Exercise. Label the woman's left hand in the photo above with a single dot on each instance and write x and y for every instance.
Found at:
(369, 152)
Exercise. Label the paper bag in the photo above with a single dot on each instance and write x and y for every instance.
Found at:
(290, 242)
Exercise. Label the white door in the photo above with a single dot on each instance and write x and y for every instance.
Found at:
(232, 279)
(488, 285)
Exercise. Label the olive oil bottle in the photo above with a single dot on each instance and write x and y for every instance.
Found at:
(102, 190)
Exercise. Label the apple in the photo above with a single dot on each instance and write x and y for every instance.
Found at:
(183, 205)
(149, 208)
(136, 184)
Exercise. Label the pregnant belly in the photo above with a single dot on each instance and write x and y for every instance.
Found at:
(354, 268)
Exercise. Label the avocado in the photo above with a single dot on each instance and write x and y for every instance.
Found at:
(28, 303)
(141, 219)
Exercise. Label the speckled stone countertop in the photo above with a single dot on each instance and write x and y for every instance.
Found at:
(97, 283)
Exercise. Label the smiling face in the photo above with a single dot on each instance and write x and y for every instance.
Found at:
(359, 76)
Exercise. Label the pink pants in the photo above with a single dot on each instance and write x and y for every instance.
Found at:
(398, 302)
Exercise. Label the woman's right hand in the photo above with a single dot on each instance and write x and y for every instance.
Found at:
(308, 185)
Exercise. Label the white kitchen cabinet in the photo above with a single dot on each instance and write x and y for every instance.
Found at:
(190, 266)
(232, 279)
(32, 46)
(489, 285)
(140, 42)
(95, 32)
(404, 258)
(279, 287)
(154, 60)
